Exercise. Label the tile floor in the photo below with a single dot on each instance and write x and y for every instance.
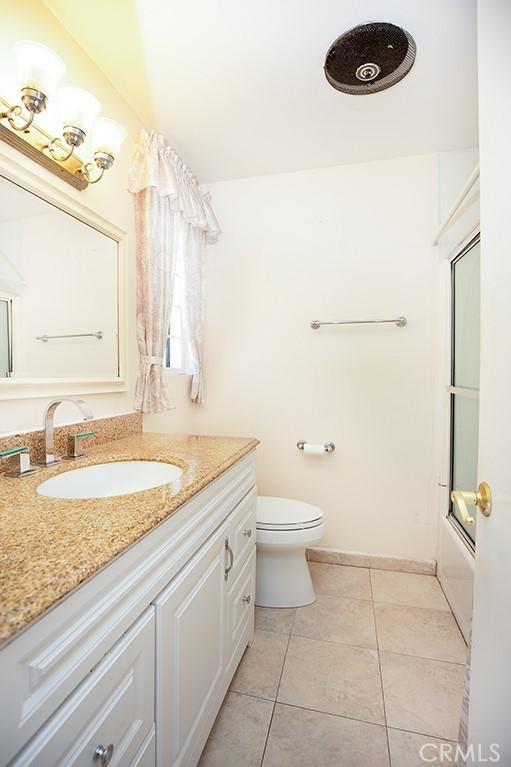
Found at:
(362, 678)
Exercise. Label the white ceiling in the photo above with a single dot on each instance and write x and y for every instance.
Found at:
(238, 85)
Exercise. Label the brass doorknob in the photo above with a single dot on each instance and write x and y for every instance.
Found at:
(480, 497)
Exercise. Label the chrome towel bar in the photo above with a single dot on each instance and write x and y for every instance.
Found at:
(400, 322)
(98, 335)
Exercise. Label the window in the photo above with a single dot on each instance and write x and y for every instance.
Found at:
(174, 347)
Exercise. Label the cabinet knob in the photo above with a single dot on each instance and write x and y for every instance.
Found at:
(103, 755)
(248, 532)
(247, 598)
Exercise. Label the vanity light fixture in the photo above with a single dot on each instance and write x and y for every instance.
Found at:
(107, 138)
(39, 71)
(78, 110)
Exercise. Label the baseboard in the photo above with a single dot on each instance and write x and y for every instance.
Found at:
(356, 559)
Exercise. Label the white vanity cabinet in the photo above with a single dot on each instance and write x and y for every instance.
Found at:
(197, 648)
(110, 717)
(131, 669)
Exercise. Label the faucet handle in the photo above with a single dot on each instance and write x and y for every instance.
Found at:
(20, 457)
(76, 444)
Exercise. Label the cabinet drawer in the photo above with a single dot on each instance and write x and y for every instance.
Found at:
(242, 532)
(113, 706)
(241, 602)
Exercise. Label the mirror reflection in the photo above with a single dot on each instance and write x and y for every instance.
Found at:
(58, 292)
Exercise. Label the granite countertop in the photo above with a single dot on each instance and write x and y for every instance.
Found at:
(49, 546)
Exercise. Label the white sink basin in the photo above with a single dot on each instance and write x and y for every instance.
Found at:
(105, 480)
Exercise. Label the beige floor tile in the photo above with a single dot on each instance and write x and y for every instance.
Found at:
(300, 738)
(405, 750)
(239, 733)
(260, 668)
(337, 619)
(422, 695)
(340, 581)
(419, 631)
(334, 678)
(408, 589)
(274, 619)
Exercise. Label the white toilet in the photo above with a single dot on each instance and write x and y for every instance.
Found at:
(285, 529)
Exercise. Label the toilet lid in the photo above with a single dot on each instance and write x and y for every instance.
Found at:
(285, 514)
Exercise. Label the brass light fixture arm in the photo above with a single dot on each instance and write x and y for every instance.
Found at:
(102, 160)
(86, 173)
(14, 112)
(51, 147)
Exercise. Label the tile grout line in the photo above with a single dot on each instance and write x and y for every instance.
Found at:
(374, 649)
(249, 695)
(380, 670)
(423, 734)
(444, 610)
(342, 716)
(338, 716)
(277, 692)
(424, 657)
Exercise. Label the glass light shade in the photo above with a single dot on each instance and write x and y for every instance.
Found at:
(77, 108)
(38, 67)
(107, 136)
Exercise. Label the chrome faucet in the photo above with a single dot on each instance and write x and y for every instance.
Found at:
(49, 427)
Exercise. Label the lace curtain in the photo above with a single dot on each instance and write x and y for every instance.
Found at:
(172, 216)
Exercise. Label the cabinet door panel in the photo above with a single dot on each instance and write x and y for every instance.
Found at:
(190, 625)
(114, 706)
(146, 757)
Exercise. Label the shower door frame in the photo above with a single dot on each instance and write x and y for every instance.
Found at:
(456, 553)
(8, 299)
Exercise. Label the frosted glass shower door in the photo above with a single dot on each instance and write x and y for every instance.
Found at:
(464, 389)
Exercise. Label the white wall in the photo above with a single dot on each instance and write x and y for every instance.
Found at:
(336, 243)
(110, 199)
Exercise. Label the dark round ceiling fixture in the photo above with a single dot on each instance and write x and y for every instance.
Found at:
(370, 58)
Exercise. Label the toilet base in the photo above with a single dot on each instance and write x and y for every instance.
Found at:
(282, 577)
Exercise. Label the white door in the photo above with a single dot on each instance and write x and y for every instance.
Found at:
(490, 693)
(190, 654)
(457, 539)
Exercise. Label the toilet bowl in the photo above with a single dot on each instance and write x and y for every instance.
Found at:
(284, 529)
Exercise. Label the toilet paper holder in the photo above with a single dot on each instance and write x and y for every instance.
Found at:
(328, 447)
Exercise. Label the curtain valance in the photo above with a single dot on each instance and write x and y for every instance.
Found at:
(156, 164)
